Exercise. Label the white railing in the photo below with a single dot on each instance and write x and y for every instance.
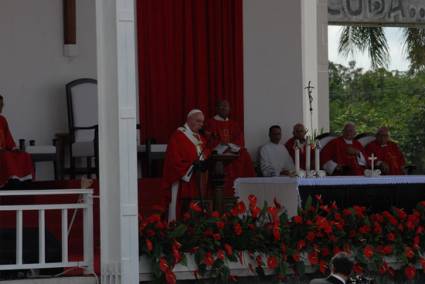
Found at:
(85, 203)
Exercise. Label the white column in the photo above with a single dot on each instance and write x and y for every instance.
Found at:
(116, 51)
(273, 81)
(309, 60)
(280, 57)
(323, 65)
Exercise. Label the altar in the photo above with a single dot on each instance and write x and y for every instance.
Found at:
(377, 193)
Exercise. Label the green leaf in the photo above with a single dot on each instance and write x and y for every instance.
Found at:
(178, 231)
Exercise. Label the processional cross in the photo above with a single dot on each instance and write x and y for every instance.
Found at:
(309, 89)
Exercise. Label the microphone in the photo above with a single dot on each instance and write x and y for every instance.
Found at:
(201, 131)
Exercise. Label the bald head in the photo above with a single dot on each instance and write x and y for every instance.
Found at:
(223, 108)
(299, 131)
(195, 120)
(349, 131)
(382, 135)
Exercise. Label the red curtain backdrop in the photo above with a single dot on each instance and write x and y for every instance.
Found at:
(190, 54)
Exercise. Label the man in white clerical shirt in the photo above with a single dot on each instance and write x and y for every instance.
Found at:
(274, 158)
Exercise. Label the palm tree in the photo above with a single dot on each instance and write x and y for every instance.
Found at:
(374, 41)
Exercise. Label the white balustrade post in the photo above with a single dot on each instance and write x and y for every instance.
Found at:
(65, 235)
(88, 231)
(19, 230)
(41, 236)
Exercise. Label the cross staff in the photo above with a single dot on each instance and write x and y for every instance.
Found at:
(372, 160)
(309, 89)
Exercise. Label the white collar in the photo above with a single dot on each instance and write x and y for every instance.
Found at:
(219, 118)
(338, 277)
(348, 141)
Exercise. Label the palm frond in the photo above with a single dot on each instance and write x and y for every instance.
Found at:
(361, 38)
(415, 47)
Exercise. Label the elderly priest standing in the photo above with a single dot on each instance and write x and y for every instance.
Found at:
(186, 154)
(225, 136)
(344, 155)
(390, 159)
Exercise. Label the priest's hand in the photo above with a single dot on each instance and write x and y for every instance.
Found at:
(200, 165)
(352, 151)
(285, 173)
(384, 167)
(342, 170)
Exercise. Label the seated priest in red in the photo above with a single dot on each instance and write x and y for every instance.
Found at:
(225, 136)
(344, 155)
(299, 133)
(14, 164)
(390, 159)
(185, 157)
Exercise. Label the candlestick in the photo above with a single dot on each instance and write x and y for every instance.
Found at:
(307, 155)
(317, 157)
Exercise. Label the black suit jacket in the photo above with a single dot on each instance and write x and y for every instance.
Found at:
(328, 280)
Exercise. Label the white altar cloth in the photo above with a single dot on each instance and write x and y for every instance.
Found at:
(285, 189)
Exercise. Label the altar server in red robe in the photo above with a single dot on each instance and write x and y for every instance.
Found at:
(225, 135)
(186, 153)
(14, 164)
(299, 133)
(344, 155)
(390, 159)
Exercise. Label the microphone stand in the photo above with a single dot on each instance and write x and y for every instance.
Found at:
(198, 177)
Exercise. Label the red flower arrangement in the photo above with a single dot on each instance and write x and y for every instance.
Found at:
(276, 242)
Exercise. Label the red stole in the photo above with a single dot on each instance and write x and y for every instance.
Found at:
(225, 132)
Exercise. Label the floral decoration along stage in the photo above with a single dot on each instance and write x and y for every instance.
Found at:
(385, 245)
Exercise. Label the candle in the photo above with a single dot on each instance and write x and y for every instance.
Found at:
(297, 159)
(307, 155)
(317, 157)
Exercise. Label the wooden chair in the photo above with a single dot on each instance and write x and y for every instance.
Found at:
(365, 138)
(81, 97)
(153, 153)
(325, 138)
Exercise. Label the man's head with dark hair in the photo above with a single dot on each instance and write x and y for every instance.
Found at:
(223, 108)
(342, 263)
(275, 134)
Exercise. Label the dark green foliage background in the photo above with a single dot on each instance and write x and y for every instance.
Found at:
(378, 98)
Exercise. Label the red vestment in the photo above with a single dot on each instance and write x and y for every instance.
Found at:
(13, 164)
(180, 155)
(336, 150)
(224, 132)
(390, 154)
(290, 146)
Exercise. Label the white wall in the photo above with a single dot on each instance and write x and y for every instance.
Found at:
(272, 68)
(33, 70)
(280, 57)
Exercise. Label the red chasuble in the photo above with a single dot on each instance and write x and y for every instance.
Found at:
(224, 132)
(336, 150)
(181, 153)
(390, 154)
(13, 164)
(290, 146)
